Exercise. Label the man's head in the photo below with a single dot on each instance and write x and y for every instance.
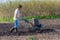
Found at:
(19, 7)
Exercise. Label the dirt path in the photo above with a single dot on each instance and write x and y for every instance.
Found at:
(51, 31)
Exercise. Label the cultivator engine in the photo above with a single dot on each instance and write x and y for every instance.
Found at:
(36, 26)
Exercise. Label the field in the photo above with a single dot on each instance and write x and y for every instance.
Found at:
(51, 31)
(47, 11)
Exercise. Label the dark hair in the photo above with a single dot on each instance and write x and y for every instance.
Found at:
(19, 6)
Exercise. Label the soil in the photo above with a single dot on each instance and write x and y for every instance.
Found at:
(51, 31)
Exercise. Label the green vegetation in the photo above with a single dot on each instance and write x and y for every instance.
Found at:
(44, 17)
(31, 38)
(36, 9)
(28, 18)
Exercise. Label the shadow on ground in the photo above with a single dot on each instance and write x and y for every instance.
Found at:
(47, 31)
(22, 33)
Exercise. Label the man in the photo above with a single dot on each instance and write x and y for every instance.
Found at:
(16, 18)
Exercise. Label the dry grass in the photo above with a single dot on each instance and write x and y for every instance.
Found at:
(31, 8)
(37, 9)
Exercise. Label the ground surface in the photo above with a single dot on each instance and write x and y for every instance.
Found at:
(51, 31)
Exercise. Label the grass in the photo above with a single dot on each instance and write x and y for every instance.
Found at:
(31, 38)
(28, 18)
(30, 9)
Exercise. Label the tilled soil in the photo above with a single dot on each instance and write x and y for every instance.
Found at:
(51, 31)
